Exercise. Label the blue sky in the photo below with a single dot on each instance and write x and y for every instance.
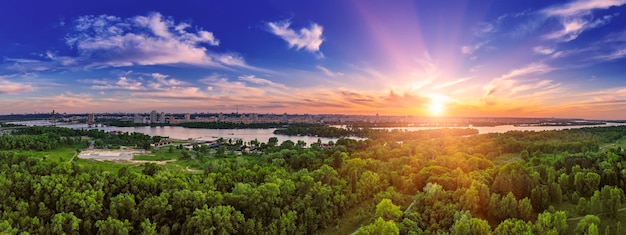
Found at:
(425, 58)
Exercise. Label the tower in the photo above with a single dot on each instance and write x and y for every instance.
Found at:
(153, 116)
(53, 119)
(91, 119)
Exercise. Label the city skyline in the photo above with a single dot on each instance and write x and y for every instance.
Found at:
(417, 58)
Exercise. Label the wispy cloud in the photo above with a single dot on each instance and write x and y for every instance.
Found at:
(452, 83)
(506, 82)
(576, 17)
(123, 84)
(544, 50)
(330, 73)
(8, 87)
(309, 39)
(261, 81)
(468, 50)
(582, 7)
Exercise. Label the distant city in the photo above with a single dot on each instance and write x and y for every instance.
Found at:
(156, 117)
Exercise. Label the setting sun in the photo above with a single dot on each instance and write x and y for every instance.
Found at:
(437, 105)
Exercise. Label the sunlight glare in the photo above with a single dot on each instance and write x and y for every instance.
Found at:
(436, 105)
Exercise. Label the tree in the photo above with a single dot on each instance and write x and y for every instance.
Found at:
(525, 209)
(592, 230)
(583, 225)
(560, 222)
(387, 210)
(586, 183)
(215, 220)
(113, 226)
(540, 198)
(123, 207)
(148, 228)
(470, 226)
(65, 223)
(513, 226)
(151, 168)
(380, 226)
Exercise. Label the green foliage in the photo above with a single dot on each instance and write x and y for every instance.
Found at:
(513, 226)
(290, 189)
(380, 226)
(584, 225)
(113, 226)
(387, 210)
(467, 225)
(586, 183)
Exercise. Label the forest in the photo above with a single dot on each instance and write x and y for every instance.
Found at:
(448, 181)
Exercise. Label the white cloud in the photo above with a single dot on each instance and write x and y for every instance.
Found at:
(582, 7)
(8, 87)
(452, 83)
(330, 73)
(576, 17)
(222, 86)
(616, 54)
(308, 39)
(534, 68)
(162, 80)
(543, 50)
(507, 83)
(261, 81)
(123, 83)
(103, 41)
(468, 50)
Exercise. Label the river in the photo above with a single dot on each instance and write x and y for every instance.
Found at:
(263, 135)
(503, 128)
(178, 132)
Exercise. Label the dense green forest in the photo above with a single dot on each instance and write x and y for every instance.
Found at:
(322, 130)
(449, 181)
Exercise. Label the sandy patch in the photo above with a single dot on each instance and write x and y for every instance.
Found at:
(110, 155)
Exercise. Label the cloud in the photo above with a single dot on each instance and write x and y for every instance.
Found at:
(614, 55)
(123, 84)
(582, 7)
(8, 87)
(576, 17)
(104, 41)
(468, 50)
(330, 73)
(221, 86)
(162, 80)
(261, 81)
(452, 83)
(507, 82)
(543, 50)
(534, 68)
(308, 39)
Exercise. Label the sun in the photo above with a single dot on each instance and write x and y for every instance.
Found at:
(437, 106)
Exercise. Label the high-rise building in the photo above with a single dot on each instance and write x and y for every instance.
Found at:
(153, 116)
(53, 119)
(187, 117)
(162, 117)
(91, 118)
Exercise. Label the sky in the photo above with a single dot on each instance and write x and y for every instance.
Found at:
(422, 57)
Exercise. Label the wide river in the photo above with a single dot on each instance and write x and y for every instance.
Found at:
(263, 135)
